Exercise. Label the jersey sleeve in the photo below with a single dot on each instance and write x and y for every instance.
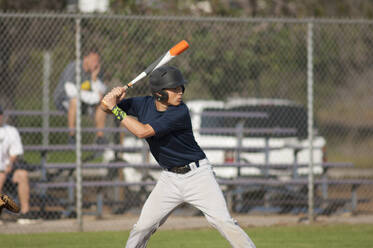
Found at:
(130, 106)
(174, 119)
(16, 147)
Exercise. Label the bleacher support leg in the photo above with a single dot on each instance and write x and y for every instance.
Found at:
(99, 204)
(71, 196)
(354, 197)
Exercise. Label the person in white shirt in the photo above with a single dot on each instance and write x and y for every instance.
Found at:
(10, 150)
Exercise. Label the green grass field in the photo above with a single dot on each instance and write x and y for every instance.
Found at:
(318, 236)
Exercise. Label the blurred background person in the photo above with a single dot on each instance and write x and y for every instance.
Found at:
(92, 90)
(13, 174)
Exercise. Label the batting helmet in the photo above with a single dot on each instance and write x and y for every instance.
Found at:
(166, 77)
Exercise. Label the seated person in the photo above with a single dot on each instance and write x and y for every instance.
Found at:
(92, 90)
(10, 150)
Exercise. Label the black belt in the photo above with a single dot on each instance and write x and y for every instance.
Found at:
(183, 169)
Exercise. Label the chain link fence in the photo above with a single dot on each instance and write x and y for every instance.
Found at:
(247, 93)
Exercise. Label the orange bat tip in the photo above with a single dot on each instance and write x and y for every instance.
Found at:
(179, 48)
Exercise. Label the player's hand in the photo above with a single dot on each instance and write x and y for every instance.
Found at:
(112, 98)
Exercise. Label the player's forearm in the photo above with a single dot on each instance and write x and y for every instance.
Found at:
(139, 129)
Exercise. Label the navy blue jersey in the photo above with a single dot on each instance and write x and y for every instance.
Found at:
(173, 144)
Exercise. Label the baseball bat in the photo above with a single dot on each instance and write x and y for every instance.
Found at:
(170, 54)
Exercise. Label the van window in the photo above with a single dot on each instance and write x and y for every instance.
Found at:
(212, 120)
(285, 116)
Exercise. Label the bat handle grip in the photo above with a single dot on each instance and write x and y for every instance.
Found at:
(129, 85)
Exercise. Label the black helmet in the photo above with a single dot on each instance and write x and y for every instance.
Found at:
(166, 77)
(1, 110)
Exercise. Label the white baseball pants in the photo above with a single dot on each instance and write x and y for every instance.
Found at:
(198, 188)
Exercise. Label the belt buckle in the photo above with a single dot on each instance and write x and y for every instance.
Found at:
(185, 169)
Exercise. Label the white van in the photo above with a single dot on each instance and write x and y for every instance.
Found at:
(278, 125)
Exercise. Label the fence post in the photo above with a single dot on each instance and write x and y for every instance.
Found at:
(239, 135)
(46, 82)
(310, 119)
(78, 134)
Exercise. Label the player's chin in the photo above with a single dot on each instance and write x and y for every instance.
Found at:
(176, 102)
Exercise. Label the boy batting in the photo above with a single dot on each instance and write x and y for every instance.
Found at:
(187, 177)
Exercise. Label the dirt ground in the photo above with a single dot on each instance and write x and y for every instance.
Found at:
(126, 221)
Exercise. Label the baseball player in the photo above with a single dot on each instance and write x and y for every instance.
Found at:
(164, 121)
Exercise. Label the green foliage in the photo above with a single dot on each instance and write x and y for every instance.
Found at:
(24, 5)
(237, 8)
(226, 59)
(253, 8)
